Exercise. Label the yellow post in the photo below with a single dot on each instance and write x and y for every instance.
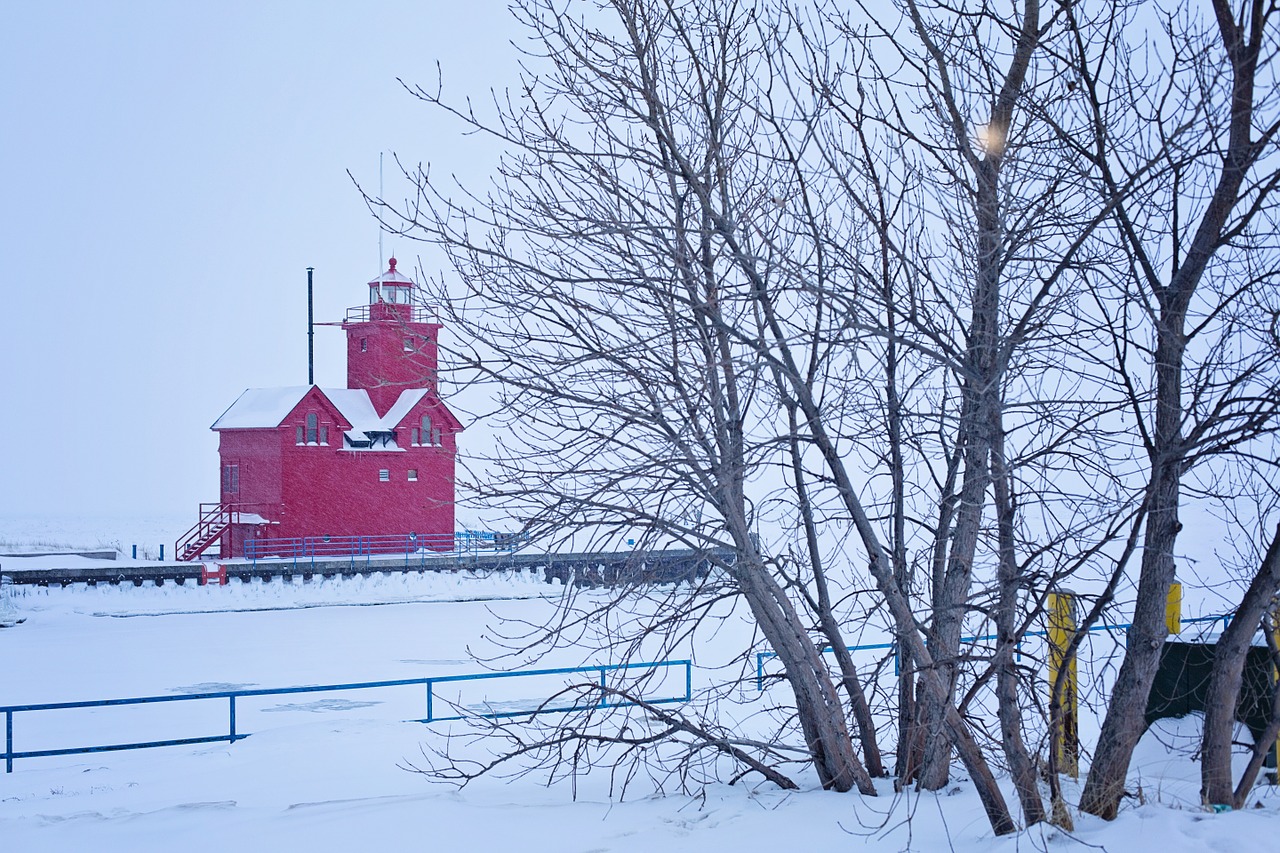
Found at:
(1173, 609)
(1275, 633)
(1066, 733)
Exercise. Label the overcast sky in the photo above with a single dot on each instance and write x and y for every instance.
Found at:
(170, 170)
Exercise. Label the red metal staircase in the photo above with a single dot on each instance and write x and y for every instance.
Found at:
(214, 520)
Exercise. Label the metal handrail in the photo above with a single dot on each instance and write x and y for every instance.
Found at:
(761, 657)
(312, 547)
(416, 314)
(213, 519)
(603, 670)
(231, 695)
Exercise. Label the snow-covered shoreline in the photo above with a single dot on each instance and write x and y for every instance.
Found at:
(332, 775)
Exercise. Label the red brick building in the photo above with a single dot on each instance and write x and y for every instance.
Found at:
(366, 469)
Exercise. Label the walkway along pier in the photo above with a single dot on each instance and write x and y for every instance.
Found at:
(602, 569)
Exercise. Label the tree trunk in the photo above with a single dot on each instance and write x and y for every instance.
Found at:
(1021, 768)
(1267, 742)
(899, 604)
(881, 567)
(1126, 711)
(818, 706)
(822, 607)
(1216, 782)
(980, 411)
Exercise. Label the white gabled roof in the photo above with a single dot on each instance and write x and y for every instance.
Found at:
(354, 405)
(408, 399)
(266, 408)
(261, 408)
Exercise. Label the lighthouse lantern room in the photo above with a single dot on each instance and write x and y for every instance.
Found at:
(368, 468)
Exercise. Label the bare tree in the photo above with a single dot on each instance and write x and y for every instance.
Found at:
(1176, 158)
(618, 336)
(754, 280)
(1016, 235)
(1224, 682)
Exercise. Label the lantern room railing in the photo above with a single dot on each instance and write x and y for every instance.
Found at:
(408, 314)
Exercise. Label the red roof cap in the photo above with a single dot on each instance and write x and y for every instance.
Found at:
(392, 276)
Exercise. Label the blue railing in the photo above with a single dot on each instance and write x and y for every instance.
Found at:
(421, 545)
(761, 657)
(604, 702)
(231, 736)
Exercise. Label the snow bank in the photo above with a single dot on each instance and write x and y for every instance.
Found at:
(377, 588)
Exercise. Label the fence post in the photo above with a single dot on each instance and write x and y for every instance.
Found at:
(1275, 673)
(232, 724)
(1173, 609)
(1064, 724)
(8, 741)
(604, 697)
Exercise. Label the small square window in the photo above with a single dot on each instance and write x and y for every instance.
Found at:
(408, 344)
(364, 345)
(413, 475)
(384, 476)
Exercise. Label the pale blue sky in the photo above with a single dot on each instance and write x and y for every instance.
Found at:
(169, 171)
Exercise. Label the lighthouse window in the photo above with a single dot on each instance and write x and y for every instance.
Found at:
(413, 475)
(426, 435)
(384, 475)
(313, 423)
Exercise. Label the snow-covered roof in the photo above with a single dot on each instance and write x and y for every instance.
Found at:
(354, 406)
(266, 408)
(401, 407)
(261, 408)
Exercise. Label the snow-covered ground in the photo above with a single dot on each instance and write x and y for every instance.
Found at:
(326, 771)
(35, 532)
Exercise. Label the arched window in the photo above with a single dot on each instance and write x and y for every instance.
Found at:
(313, 428)
(422, 434)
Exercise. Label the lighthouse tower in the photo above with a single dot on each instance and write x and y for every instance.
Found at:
(368, 468)
(391, 341)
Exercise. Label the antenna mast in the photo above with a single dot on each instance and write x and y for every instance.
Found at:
(311, 333)
(381, 257)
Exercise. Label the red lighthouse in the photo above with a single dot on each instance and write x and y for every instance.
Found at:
(364, 469)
